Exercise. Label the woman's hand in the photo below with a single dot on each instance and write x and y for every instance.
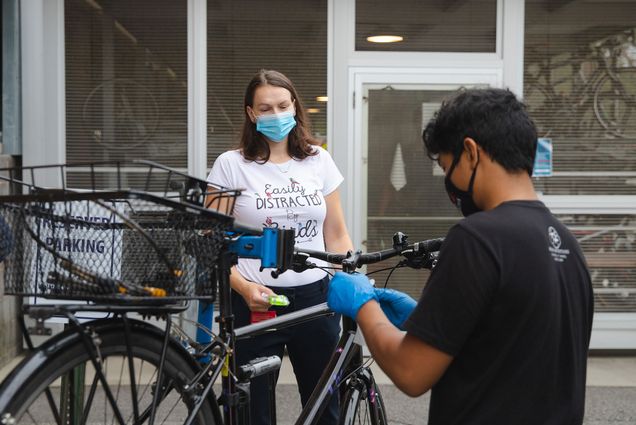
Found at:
(252, 293)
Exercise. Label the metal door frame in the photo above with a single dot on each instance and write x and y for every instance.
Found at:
(399, 79)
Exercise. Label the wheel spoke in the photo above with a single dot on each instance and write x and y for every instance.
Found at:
(105, 402)
(110, 397)
(33, 419)
(77, 383)
(146, 413)
(53, 406)
(148, 384)
(121, 374)
(89, 399)
(174, 406)
(133, 386)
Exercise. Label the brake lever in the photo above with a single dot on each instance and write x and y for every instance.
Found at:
(299, 264)
(299, 268)
(427, 261)
(431, 260)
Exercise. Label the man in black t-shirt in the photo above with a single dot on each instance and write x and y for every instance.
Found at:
(502, 329)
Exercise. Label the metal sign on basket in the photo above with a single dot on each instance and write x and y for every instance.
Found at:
(87, 247)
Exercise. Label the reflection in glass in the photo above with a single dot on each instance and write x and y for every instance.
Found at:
(580, 87)
(609, 244)
(126, 81)
(405, 191)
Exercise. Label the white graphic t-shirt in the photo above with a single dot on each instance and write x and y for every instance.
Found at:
(289, 195)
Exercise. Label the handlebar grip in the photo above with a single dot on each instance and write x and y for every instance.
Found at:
(320, 255)
(374, 257)
(429, 245)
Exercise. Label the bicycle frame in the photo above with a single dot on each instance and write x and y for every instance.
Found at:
(346, 359)
(347, 356)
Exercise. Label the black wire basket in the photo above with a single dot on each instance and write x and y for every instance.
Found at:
(131, 232)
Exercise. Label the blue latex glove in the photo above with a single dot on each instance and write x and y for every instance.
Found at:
(396, 305)
(348, 292)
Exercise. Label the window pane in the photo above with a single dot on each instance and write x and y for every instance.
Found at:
(609, 245)
(428, 26)
(245, 36)
(580, 87)
(126, 80)
(405, 190)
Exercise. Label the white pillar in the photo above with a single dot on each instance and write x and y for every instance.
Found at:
(513, 39)
(197, 88)
(43, 85)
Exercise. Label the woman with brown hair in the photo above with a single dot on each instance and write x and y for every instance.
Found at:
(290, 182)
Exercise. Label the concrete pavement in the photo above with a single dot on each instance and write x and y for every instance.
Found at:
(602, 371)
(610, 397)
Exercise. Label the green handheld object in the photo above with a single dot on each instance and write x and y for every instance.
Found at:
(277, 300)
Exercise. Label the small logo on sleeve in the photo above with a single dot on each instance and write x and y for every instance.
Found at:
(558, 254)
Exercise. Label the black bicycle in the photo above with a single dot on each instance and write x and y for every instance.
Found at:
(600, 90)
(150, 251)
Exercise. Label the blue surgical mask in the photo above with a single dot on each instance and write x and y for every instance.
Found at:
(276, 126)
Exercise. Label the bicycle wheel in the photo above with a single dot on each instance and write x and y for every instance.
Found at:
(542, 104)
(615, 103)
(57, 383)
(132, 111)
(362, 404)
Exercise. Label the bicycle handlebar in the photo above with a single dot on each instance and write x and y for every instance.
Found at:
(417, 249)
(418, 255)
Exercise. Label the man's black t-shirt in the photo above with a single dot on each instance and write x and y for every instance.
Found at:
(511, 300)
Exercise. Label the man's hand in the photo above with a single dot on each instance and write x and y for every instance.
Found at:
(396, 305)
(348, 292)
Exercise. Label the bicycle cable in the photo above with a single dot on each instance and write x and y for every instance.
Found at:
(367, 363)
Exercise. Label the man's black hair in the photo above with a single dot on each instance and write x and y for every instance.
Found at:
(494, 118)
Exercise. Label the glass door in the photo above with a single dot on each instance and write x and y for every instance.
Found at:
(404, 189)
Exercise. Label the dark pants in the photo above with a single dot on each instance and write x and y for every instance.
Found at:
(309, 345)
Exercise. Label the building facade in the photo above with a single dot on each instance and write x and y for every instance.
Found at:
(93, 80)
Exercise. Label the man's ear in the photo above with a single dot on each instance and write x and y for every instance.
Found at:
(471, 147)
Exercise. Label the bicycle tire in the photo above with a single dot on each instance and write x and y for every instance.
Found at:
(542, 103)
(135, 114)
(614, 105)
(24, 399)
(362, 404)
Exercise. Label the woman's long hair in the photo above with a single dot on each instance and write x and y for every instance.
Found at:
(253, 144)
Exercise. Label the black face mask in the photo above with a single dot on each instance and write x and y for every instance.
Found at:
(462, 199)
